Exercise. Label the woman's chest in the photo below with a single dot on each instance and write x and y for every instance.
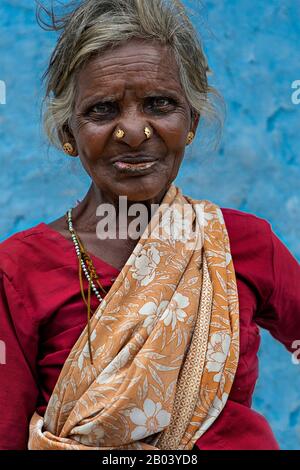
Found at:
(64, 327)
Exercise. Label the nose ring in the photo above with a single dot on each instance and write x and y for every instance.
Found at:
(147, 132)
(119, 134)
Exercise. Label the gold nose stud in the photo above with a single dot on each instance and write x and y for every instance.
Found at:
(147, 132)
(119, 134)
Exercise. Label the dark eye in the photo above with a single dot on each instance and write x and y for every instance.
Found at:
(160, 104)
(104, 110)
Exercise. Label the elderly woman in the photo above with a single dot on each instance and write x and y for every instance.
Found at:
(149, 341)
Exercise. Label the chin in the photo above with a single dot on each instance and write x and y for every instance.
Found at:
(141, 190)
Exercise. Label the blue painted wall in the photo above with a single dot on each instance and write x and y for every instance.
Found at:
(253, 49)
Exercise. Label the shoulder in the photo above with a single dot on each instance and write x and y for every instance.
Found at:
(245, 222)
(251, 245)
(23, 249)
(18, 239)
(250, 239)
(249, 232)
(238, 223)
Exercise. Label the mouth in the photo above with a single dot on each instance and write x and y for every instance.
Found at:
(130, 164)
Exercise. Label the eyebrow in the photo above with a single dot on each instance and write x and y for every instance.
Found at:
(162, 91)
(94, 99)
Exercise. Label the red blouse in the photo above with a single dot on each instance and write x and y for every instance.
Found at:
(42, 315)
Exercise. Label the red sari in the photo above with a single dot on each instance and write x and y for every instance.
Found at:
(42, 315)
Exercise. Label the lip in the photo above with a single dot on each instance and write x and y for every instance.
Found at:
(134, 168)
(138, 158)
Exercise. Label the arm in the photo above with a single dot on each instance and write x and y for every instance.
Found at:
(280, 312)
(18, 385)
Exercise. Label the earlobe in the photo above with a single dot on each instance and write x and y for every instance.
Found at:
(67, 141)
(194, 124)
(190, 138)
(69, 149)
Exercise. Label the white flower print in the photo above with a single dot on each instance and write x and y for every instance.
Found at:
(203, 217)
(54, 405)
(227, 258)
(145, 265)
(150, 420)
(108, 374)
(175, 311)
(176, 225)
(220, 216)
(217, 351)
(85, 353)
(89, 434)
(151, 311)
(214, 411)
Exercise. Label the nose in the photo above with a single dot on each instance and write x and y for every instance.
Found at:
(135, 129)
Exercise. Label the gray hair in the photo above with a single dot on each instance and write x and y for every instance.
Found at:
(93, 26)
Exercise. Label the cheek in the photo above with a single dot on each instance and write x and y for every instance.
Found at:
(91, 140)
(174, 131)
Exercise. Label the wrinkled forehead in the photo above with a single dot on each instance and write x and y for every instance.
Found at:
(138, 65)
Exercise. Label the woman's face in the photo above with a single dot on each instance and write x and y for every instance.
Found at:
(131, 87)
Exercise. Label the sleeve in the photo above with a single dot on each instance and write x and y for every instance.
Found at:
(280, 312)
(18, 384)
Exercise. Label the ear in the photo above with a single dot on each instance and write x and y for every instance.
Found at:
(66, 136)
(195, 121)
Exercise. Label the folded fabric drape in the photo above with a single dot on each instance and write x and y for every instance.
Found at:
(165, 343)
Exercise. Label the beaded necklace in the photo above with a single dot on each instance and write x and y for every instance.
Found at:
(86, 266)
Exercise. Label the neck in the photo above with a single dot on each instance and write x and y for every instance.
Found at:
(84, 215)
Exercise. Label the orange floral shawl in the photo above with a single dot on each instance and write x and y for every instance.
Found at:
(165, 343)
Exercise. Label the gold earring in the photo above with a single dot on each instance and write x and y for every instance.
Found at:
(190, 138)
(147, 132)
(69, 149)
(119, 134)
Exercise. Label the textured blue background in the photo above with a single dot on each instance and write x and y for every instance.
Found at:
(253, 49)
